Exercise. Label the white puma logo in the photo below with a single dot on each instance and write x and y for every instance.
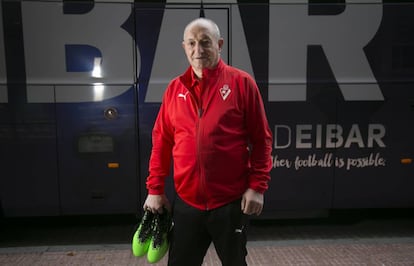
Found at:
(239, 230)
(183, 95)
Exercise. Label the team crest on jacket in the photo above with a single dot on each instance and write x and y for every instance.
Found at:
(225, 91)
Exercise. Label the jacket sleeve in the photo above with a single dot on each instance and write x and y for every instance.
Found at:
(260, 138)
(161, 153)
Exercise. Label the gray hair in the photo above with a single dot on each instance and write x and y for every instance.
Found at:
(204, 22)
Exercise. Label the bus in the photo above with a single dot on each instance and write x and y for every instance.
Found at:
(81, 83)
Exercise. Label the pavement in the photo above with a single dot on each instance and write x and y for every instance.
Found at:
(380, 239)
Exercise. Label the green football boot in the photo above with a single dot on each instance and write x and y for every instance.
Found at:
(162, 225)
(142, 237)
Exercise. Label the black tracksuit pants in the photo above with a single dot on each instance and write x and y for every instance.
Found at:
(194, 230)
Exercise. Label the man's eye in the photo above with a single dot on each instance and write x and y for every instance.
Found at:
(205, 43)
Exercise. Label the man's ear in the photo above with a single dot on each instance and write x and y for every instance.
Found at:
(220, 43)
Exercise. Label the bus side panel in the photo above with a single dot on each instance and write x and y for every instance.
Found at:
(97, 154)
(29, 185)
(28, 154)
(375, 175)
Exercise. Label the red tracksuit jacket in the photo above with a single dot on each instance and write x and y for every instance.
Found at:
(220, 146)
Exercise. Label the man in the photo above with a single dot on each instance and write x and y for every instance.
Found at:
(213, 125)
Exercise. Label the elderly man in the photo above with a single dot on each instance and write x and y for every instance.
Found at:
(212, 124)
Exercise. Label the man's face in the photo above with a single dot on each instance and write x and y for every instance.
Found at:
(202, 48)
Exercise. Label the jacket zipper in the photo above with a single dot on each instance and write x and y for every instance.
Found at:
(200, 111)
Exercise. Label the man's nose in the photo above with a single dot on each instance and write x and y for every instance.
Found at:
(199, 48)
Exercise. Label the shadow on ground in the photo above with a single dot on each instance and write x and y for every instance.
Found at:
(118, 229)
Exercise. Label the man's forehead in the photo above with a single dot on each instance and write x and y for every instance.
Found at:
(199, 29)
(196, 35)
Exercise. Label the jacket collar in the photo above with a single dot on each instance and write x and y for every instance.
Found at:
(188, 78)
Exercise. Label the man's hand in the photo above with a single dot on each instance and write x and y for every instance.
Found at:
(252, 202)
(155, 203)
